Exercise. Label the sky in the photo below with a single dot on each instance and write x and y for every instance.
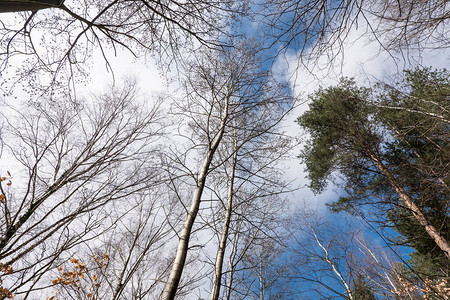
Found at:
(364, 60)
(361, 59)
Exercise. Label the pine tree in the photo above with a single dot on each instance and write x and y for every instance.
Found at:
(354, 138)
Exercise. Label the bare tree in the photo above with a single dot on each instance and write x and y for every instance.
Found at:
(226, 226)
(254, 149)
(257, 268)
(220, 100)
(56, 44)
(252, 176)
(73, 161)
(222, 88)
(251, 210)
(134, 266)
(323, 255)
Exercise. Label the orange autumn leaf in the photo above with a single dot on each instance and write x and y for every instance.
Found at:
(6, 268)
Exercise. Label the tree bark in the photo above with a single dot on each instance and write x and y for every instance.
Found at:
(27, 5)
(170, 289)
(440, 241)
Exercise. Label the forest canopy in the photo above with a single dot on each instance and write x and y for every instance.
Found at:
(111, 188)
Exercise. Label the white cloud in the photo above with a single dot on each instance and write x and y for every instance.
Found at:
(125, 65)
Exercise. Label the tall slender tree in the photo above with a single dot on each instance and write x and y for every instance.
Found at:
(253, 176)
(222, 90)
(416, 112)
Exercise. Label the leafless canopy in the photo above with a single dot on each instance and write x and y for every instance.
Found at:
(61, 39)
(320, 27)
(72, 165)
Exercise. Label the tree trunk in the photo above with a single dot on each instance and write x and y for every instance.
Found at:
(440, 241)
(172, 283)
(27, 5)
(223, 239)
(230, 280)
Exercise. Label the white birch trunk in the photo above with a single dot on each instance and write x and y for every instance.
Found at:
(173, 281)
(223, 239)
(332, 264)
